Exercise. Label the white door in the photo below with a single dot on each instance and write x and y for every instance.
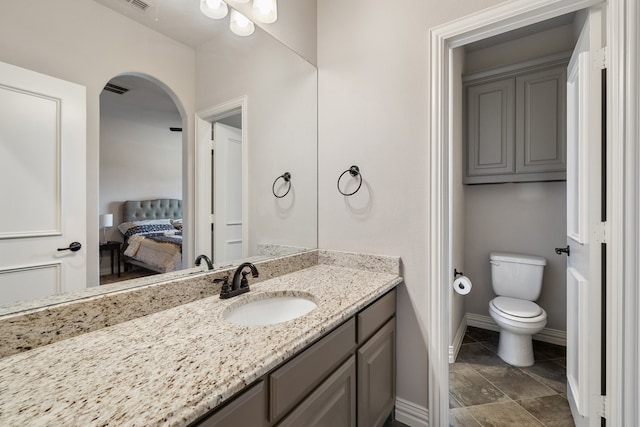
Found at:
(227, 193)
(586, 222)
(42, 162)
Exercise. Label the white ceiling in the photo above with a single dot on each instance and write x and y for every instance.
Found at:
(142, 93)
(180, 20)
(521, 32)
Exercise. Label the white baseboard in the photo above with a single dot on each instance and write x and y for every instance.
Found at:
(552, 336)
(411, 414)
(454, 348)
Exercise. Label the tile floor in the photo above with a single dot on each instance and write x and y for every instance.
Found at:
(485, 391)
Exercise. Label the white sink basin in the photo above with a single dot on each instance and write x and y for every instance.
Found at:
(268, 309)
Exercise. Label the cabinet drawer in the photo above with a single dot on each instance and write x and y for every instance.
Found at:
(248, 409)
(376, 315)
(292, 382)
(332, 404)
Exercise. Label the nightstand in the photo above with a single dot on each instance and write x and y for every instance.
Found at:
(112, 247)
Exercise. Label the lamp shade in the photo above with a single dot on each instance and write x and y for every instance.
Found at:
(265, 11)
(215, 9)
(240, 24)
(106, 220)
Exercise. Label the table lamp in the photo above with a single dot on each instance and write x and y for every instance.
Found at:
(106, 220)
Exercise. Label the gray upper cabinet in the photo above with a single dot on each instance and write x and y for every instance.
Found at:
(490, 128)
(541, 122)
(516, 123)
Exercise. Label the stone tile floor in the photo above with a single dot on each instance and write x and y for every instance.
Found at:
(485, 391)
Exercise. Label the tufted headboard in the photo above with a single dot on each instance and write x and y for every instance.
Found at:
(138, 210)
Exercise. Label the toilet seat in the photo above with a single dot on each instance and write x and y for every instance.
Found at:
(517, 307)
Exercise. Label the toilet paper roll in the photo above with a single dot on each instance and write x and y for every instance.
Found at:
(462, 285)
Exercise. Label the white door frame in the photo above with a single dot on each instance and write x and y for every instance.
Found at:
(623, 273)
(203, 172)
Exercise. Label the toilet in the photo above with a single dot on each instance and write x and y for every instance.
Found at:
(517, 282)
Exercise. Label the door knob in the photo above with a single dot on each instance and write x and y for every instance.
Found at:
(73, 247)
(567, 250)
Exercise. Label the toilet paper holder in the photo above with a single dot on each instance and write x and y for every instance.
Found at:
(457, 273)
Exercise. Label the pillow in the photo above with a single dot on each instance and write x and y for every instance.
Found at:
(126, 226)
(149, 229)
(177, 223)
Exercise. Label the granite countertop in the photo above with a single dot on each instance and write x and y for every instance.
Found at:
(171, 367)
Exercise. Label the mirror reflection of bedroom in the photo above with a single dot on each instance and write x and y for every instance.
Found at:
(140, 192)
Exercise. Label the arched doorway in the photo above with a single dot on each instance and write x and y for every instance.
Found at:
(141, 149)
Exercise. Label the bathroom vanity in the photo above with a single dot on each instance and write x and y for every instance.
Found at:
(348, 374)
(187, 365)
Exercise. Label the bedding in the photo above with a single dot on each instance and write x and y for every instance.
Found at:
(156, 243)
(161, 252)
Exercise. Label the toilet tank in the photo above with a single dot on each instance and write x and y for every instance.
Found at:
(517, 275)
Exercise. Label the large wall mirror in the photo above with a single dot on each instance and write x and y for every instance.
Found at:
(195, 91)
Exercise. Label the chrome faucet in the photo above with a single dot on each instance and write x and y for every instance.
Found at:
(238, 285)
(206, 259)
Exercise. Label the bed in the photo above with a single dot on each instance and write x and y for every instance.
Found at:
(152, 231)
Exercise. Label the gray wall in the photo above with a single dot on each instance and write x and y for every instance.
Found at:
(457, 307)
(373, 62)
(527, 218)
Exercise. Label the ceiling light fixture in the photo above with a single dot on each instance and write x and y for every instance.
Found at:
(215, 9)
(240, 24)
(265, 11)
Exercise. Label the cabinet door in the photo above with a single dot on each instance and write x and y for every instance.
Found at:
(248, 409)
(540, 121)
(376, 377)
(332, 404)
(490, 128)
(290, 383)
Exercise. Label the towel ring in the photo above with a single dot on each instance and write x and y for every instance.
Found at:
(353, 171)
(287, 178)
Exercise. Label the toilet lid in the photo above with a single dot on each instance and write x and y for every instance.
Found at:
(517, 307)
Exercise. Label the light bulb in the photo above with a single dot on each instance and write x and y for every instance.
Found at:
(215, 9)
(265, 11)
(240, 24)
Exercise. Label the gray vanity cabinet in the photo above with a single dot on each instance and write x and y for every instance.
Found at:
(516, 124)
(248, 409)
(301, 374)
(345, 379)
(376, 359)
(333, 404)
(376, 377)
